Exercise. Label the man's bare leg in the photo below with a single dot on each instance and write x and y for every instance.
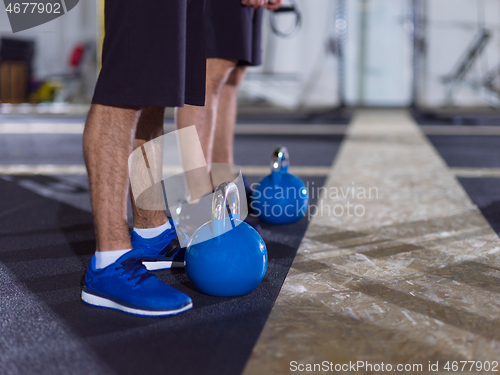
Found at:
(113, 279)
(107, 143)
(218, 71)
(150, 126)
(223, 151)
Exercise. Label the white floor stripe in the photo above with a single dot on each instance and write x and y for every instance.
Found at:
(50, 169)
(46, 169)
(460, 130)
(302, 171)
(476, 172)
(40, 128)
(247, 129)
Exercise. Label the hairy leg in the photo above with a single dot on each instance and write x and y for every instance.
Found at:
(107, 143)
(150, 126)
(218, 71)
(223, 151)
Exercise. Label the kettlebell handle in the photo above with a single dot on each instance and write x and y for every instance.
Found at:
(280, 160)
(226, 194)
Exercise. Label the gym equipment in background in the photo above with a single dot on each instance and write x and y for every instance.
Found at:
(281, 197)
(71, 83)
(467, 61)
(16, 69)
(438, 80)
(226, 256)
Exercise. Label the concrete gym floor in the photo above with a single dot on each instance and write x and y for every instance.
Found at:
(399, 265)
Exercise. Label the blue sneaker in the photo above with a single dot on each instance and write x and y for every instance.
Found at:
(128, 286)
(163, 251)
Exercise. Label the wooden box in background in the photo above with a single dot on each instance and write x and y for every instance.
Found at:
(13, 82)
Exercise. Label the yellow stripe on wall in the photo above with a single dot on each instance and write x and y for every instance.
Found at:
(100, 31)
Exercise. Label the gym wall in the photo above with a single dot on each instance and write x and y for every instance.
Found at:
(56, 39)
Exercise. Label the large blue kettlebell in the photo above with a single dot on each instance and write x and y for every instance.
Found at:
(226, 256)
(281, 197)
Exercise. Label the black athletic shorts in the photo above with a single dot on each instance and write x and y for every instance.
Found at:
(234, 31)
(154, 53)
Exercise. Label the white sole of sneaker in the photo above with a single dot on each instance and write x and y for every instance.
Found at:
(161, 265)
(94, 300)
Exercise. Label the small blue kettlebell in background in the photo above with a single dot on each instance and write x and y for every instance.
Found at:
(226, 256)
(281, 197)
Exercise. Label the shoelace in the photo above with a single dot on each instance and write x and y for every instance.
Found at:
(135, 267)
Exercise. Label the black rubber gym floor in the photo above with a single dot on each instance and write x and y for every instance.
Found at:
(47, 240)
(485, 193)
(472, 151)
(457, 118)
(63, 149)
(477, 151)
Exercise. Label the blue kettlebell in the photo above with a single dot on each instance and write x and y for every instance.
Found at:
(281, 197)
(226, 256)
